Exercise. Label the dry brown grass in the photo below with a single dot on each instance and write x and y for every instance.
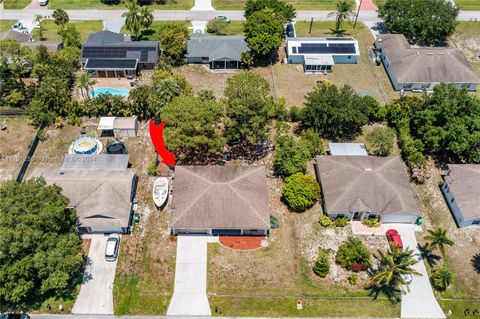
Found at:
(14, 143)
(467, 241)
(201, 78)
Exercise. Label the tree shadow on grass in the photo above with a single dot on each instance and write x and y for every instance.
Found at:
(476, 263)
(428, 256)
(393, 294)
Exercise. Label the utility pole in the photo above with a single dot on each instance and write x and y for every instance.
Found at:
(311, 23)
(358, 12)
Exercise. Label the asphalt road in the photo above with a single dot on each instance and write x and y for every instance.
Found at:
(169, 15)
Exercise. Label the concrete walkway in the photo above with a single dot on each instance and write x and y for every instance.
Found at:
(113, 25)
(203, 5)
(190, 291)
(420, 302)
(96, 295)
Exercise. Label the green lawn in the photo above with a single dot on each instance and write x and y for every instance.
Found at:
(460, 309)
(15, 4)
(299, 4)
(153, 33)
(234, 28)
(468, 4)
(84, 27)
(98, 4)
(380, 3)
(6, 24)
(286, 307)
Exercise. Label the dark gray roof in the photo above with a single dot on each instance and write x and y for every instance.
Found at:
(216, 47)
(463, 182)
(95, 162)
(222, 197)
(105, 37)
(365, 184)
(111, 45)
(14, 35)
(425, 64)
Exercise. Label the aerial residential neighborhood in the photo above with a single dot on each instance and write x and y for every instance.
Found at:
(239, 158)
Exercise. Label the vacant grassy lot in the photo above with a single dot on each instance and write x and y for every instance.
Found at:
(460, 257)
(153, 33)
(83, 27)
(14, 143)
(234, 28)
(98, 4)
(6, 24)
(284, 269)
(298, 4)
(468, 4)
(15, 4)
(466, 39)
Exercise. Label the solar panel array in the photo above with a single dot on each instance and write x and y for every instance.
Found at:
(324, 48)
(111, 64)
(115, 52)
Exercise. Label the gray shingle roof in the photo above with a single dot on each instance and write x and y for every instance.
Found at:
(14, 35)
(224, 197)
(105, 37)
(100, 198)
(365, 184)
(95, 162)
(464, 183)
(426, 65)
(216, 47)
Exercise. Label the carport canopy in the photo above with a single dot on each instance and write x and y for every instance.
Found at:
(319, 59)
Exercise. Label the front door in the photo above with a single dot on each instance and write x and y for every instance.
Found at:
(357, 216)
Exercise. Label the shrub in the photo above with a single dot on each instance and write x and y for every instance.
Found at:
(442, 277)
(352, 279)
(380, 141)
(341, 222)
(300, 191)
(291, 156)
(371, 222)
(353, 255)
(217, 26)
(311, 141)
(322, 265)
(325, 221)
(152, 168)
(295, 114)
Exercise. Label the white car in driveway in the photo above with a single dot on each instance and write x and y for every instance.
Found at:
(111, 250)
(42, 2)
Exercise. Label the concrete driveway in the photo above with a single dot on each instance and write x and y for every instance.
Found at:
(190, 291)
(420, 302)
(95, 295)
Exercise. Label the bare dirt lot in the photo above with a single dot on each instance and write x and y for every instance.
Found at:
(14, 143)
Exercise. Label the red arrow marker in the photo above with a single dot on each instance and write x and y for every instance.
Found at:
(156, 135)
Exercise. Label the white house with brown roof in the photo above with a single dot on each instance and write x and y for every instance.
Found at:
(220, 200)
(421, 68)
(462, 193)
(360, 187)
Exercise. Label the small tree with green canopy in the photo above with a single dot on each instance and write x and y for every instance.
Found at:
(442, 277)
(192, 129)
(263, 32)
(344, 12)
(353, 254)
(283, 11)
(322, 264)
(247, 105)
(40, 251)
(300, 191)
(380, 141)
(336, 113)
(173, 41)
(70, 36)
(429, 22)
(438, 239)
(217, 26)
(60, 17)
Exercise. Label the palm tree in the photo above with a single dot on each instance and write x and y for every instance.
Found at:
(85, 83)
(393, 264)
(438, 239)
(344, 12)
(61, 17)
(133, 20)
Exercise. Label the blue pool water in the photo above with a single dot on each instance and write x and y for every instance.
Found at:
(121, 92)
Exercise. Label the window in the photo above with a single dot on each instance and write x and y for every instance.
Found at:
(452, 200)
(349, 57)
(465, 86)
(294, 49)
(425, 86)
(408, 86)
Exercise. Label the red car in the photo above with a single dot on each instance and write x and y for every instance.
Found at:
(394, 238)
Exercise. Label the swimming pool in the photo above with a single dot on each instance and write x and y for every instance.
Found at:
(86, 145)
(121, 92)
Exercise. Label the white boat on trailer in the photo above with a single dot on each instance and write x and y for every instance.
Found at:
(160, 192)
